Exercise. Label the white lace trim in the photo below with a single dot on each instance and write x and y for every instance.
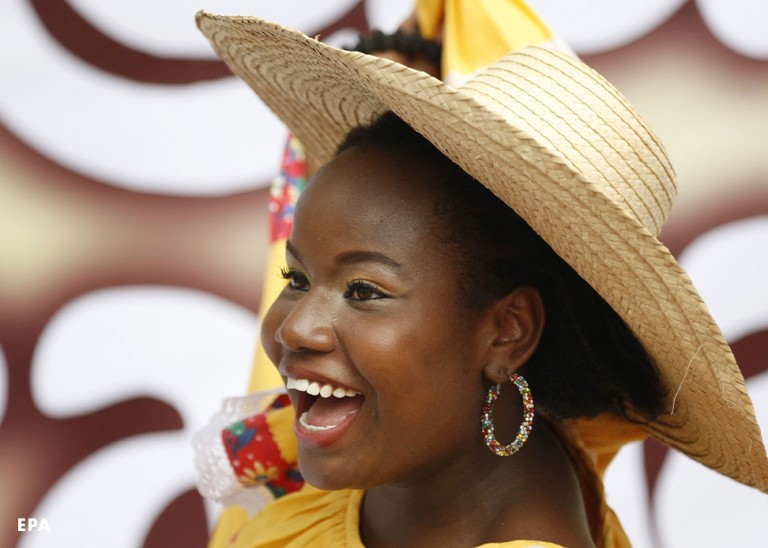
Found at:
(216, 479)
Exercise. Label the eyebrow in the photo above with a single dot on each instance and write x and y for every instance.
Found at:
(292, 250)
(353, 257)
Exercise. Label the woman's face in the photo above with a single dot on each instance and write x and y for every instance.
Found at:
(371, 318)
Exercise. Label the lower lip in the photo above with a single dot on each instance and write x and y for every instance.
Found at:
(323, 438)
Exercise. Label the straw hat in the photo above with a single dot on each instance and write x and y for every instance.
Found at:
(567, 152)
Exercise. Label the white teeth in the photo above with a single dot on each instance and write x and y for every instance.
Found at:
(314, 388)
(300, 384)
(312, 427)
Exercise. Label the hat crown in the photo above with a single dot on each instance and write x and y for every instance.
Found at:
(588, 123)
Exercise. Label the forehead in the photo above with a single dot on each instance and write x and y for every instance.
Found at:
(368, 190)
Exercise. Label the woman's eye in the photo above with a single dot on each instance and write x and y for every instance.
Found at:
(363, 291)
(296, 280)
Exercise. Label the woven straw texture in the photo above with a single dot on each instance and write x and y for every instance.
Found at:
(567, 152)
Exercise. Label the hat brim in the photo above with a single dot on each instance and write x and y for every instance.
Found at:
(321, 93)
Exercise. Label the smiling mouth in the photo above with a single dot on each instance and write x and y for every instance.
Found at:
(322, 407)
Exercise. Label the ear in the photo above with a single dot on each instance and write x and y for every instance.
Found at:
(518, 321)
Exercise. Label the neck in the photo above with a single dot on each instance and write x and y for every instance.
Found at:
(481, 498)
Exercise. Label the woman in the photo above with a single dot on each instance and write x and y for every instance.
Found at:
(418, 302)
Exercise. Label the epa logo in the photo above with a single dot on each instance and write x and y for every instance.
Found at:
(33, 524)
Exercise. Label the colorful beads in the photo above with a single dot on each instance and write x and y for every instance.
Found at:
(486, 419)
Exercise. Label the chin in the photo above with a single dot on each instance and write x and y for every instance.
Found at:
(326, 480)
(323, 471)
(322, 474)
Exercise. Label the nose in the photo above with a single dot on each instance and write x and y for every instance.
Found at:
(307, 326)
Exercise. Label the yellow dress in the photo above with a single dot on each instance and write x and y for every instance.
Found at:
(312, 517)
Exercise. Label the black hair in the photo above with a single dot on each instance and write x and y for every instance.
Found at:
(410, 44)
(588, 360)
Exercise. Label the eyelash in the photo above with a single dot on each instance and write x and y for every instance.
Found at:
(358, 285)
(298, 282)
(292, 276)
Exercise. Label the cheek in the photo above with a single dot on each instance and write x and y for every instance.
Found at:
(387, 353)
(428, 395)
(406, 360)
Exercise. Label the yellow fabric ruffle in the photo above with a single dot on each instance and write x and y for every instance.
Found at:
(311, 518)
(605, 435)
(593, 444)
(308, 518)
(601, 439)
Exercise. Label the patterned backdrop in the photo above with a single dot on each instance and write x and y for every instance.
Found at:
(133, 233)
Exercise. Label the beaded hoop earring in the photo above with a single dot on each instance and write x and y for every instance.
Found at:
(487, 418)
